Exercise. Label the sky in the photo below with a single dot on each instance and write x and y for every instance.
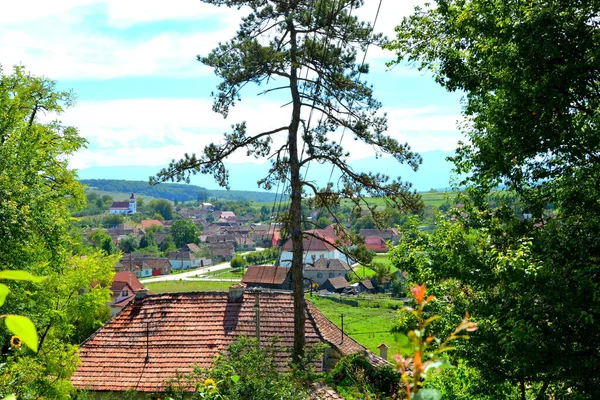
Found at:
(143, 99)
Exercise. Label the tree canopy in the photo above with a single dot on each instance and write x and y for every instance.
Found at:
(36, 190)
(531, 108)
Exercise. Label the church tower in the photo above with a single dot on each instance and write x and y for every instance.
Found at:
(132, 204)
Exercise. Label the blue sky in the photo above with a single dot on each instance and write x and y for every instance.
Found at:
(143, 99)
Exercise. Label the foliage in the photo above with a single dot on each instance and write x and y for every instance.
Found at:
(184, 231)
(129, 244)
(259, 257)
(103, 241)
(421, 352)
(354, 377)
(38, 191)
(245, 371)
(169, 191)
(112, 220)
(162, 207)
(531, 111)
(238, 262)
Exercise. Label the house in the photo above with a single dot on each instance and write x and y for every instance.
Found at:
(268, 277)
(244, 243)
(323, 269)
(124, 207)
(366, 286)
(144, 266)
(187, 257)
(124, 286)
(158, 336)
(390, 234)
(317, 244)
(375, 244)
(335, 285)
(221, 252)
(147, 223)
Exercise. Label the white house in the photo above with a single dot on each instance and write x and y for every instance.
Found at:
(123, 207)
(317, 244)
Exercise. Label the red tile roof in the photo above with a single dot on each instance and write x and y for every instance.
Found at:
(268, 274)
(147, 223)
(327, 264)
(129, 278)
(154, 338)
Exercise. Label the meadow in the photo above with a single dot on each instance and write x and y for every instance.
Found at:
(369, 326)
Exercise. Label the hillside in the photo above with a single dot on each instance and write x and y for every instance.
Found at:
(173, 191)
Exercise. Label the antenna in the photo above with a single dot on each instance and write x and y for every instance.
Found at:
(342, 315)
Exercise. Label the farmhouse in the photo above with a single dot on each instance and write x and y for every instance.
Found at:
(325, 268)
(157, 336)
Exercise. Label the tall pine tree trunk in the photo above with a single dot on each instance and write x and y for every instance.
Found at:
(295, 220)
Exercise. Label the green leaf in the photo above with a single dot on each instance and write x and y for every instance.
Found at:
(427, 394)
(24, 329)
(235, 378)
(441, 364)
(20, 276)
(4, 290)
(405, 347)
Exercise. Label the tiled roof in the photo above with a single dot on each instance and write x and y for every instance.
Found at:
(367, 284)
(193, 247)
(119, 205)
(338, 282)
(154, 338)
(268, 274)
(313, 240)
(326, 264)
(147, 223)
(320, 391)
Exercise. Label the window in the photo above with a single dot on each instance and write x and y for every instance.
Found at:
(331, 274)
(319, 275)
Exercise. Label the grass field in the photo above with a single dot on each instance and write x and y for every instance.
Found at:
(433, 199)
(368, 326)
(228, 273)
(187, 286)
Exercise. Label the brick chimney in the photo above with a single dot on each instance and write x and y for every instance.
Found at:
(236, 293)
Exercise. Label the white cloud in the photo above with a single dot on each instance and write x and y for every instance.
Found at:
(154, 131)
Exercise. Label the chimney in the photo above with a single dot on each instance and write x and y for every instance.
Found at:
(236, 293)
(141, 294)
(328, 261)
(383, 348)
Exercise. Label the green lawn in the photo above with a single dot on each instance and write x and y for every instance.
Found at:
(368, 326)
(228, 273)
(187, 286)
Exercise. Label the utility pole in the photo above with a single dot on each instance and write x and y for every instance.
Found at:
(342, 315)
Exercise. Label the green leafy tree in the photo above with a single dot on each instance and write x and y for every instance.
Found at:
(238, 262)
(162, 207)
(308, 49)
(129, 244)
(37, 191)
(531, 112)
(102, 240)
(112, 220)
(184, 231)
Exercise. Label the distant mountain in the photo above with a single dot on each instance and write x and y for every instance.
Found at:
(434, 173)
